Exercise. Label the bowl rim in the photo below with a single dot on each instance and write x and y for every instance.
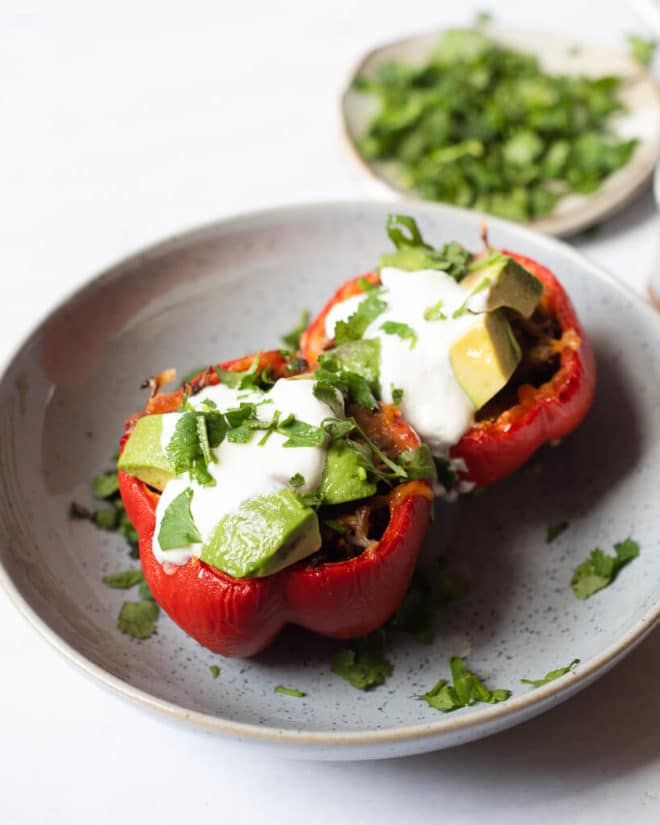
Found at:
(552, 224)
(529, 704)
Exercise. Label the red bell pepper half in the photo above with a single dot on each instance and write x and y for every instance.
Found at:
(495, 447)
(343, 599)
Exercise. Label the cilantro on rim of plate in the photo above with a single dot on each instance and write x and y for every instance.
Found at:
(551, 676)
(600, 570)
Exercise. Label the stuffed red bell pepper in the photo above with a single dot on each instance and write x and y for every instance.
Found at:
(484, 354)
(263, 498)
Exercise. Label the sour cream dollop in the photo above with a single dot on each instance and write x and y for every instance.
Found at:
(433, 401)
(244, 471)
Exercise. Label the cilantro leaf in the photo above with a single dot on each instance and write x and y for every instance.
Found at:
(354, 328)
(555, 530)
(418, 463)
(405, 332)
(215, 671)
(291, 340)
(106, 518)
(600, 570)
(642, 50)
(403, 231)
(467, 689)
(124, 579)
(363, 665)
(551, 676)
(301, 434)
(439, 125)
(240, 380)
(285, 691)
(138, 619)
(297, 480)
(105, 485)
(177, 528)
(435, 313)
(397, 395)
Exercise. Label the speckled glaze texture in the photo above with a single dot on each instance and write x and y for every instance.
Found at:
(228, 288)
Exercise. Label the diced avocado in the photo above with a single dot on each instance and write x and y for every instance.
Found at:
(511, 285)
(361, 357)
(485, 357)
(264, 535)
(344, 478)
(143, 455)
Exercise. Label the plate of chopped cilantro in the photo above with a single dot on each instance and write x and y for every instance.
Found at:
(530, 126)
(527, 587)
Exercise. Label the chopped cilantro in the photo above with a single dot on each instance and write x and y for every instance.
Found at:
(413, 253)
(397, 395)
(555, 530)
(240, 380)
(418, 463)
(215, 671)
(405, 332)
(105, 485)
(600, 570)
(354, 328)
(297, 480)
(124, 580)
(440, 125)
(642, 49)
(285, 691)
(435, 313)
(291, 340)
(446, 474)
(145, 593)
(363, 665)
(106, 518)
(138, 619)
(551, 676)
(177, 528)
(467, 689)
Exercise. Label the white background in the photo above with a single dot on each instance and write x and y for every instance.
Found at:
(125, 121)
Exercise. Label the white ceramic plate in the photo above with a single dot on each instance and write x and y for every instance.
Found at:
(557, 53)
(227, 289)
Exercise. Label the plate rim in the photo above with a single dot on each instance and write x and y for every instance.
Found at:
(518, 708)
(555, 225)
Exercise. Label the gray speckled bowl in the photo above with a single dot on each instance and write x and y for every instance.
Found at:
(227, 289)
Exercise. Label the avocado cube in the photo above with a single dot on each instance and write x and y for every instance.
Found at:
(510, 285)
(264, 535)
(143, 455)
(344, 478)
(485, 357)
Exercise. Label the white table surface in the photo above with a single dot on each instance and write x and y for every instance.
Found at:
(123, 122)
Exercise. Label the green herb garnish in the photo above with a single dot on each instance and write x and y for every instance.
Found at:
(397, 395)
(555, 530)
(467, 689)
(642, 50)
(291, 340)
(215, 671)
(297, 480)
(600, 570)
(105, 485)
(124, 579)
(363, 665)
(285, 691)
(485, 127)
(405, 332)
(356, 325)
(177, 528)
(551, 676)
(435, 313)
(138, 619)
